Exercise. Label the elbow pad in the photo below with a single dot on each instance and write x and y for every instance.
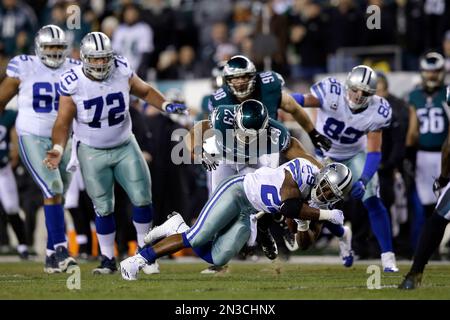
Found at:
(290, 208)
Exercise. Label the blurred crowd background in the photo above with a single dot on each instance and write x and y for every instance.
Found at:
(185, 40)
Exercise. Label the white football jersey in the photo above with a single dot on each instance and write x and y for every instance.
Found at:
(38, 97)
(346, 129)
(103, 117)
(263, 186)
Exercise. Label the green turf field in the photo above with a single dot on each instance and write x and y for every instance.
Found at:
(242, 281)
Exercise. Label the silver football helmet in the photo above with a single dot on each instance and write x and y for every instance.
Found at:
(97, 45)
(360, 78)
(432, 70)
(237, 67)
(333, 182)
(47, 37)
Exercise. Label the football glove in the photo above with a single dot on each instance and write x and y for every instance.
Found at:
(358, 190)
(319, 140)
(439, 184)
(208, 161)
(172, 107)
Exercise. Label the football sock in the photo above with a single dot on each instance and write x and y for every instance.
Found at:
(204, 251)
(142, 217)
(418, 220)
(18, 226)
(380, 223)
(106, 234)
(335, 229)
(54, 220)
(50, 249)
(430, 238)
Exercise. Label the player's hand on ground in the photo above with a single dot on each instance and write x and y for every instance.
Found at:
(319, 140)
(209, 162)
(52, 159)
(358, 190)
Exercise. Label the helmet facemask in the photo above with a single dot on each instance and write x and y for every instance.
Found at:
(98, 71)
(96, 46)
(360, 86)
(241, 85)
(51, 46)
(240, 76)
(432, 70)
(357, 99)
(332, 184)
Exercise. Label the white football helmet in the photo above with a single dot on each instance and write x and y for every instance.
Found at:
(361, 78)
(97, 45)
(333, 182)
(51, 36)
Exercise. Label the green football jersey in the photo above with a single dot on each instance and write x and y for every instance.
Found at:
(7, 120)
(276, 139)
(268, 87)
(433, 119)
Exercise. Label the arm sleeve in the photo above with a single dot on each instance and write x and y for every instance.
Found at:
(13, 68)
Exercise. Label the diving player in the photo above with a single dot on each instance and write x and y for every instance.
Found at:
(223, 226)
(353, 117)
(35, 79)
(434, 227)
(96, 95)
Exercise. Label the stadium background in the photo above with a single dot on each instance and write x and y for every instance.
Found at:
(177, 44)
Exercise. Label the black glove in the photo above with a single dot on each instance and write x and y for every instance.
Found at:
(208, 161)
(319, 140)
(439, 184)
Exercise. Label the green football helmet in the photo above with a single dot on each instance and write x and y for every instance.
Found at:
(251, 119)
(240, 76)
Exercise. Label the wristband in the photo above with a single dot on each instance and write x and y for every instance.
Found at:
(58, 148)
(324, 214)
(164, 105)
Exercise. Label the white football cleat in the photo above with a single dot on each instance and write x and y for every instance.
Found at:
(151, 268)
(345, 247)
(173, 225)
(388, 262)
(129, 268)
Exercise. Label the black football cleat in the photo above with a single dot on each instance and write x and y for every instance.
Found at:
(107, 266)
(412, 281)
(268, 244)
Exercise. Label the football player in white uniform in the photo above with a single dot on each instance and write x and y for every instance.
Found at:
(96, 95)
(352, 116)
(35, 79)
(223, 226)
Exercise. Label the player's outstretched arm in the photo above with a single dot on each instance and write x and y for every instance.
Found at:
(152, 96)
(296, 150)
(194, 138)
(373, 160)
(60, 133)
(8, 89)
(290, 105)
